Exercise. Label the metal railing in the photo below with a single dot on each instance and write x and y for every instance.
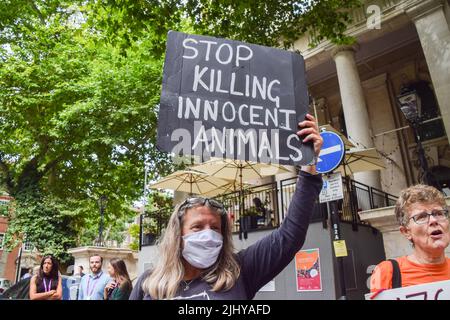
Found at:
(360, 197)
(252, 208)
(357, 197)
(287, 189)
(275, 199)
(151, 225)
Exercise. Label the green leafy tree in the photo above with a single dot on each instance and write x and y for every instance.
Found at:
(273, 22)
(277, 23)
(134, 233)
(159, 207)
(77, 119)
(158, 200)
(115, 230)
(127, 21)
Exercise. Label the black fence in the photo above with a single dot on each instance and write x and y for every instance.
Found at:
(357, 197)
(252, 208)
(287, 189)
(151, 226)
(265, 206)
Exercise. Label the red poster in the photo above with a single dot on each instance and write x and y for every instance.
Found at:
(307, 269)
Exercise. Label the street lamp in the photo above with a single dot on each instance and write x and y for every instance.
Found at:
(410, 105)
(102, 204)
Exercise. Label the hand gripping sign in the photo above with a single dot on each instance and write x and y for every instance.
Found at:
(229, 99)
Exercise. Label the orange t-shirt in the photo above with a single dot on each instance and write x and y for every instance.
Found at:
(411, 273)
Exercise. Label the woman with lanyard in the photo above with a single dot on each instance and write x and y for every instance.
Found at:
(46, 285)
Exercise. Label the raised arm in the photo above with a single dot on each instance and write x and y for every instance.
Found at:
(262, 261)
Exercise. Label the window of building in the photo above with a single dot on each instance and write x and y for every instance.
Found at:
(27, 246)
(4, 208)
(441, 174)
(429, 110)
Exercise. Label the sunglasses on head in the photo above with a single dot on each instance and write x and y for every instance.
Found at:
(200, 201)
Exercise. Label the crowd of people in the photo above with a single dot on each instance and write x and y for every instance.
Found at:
(197, 259)
(115, 284)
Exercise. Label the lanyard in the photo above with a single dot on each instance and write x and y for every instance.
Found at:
(49, 285)
(94, 284)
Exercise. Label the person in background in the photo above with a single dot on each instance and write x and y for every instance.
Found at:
(79, 271)
(424, 220)
(29, 274)
(262, 211)
(197, 258)
(75, 282)
(120, 287)
(93, 284)
(36, 270)
(47, 284)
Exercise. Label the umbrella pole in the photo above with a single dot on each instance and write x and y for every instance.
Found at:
(241, 205)
(353, 205)
(345, 171)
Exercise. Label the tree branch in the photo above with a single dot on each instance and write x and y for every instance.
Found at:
(41, 17)
(30, 172)
(52, 164)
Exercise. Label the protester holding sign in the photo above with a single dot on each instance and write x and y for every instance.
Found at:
(226, 98)
(424, 220)
(197, 259)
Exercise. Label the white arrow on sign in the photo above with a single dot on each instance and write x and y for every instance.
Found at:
(329, 150)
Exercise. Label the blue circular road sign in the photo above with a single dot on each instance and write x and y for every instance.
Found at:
(332, 152)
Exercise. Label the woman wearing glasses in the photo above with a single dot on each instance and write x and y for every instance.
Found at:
(423, 217)
(196, 255)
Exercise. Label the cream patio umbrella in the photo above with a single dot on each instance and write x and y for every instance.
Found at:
(357, 160)
(191, 181)
(347, 143)
(241, 171)
(230, 187)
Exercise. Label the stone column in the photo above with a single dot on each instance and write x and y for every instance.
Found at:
(354, 106)
(434, 34)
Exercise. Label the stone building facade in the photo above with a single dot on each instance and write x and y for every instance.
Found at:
(356, 89)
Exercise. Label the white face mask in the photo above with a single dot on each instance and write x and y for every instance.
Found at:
(202, 248)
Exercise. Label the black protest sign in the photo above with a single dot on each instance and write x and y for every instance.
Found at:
(224, 98)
